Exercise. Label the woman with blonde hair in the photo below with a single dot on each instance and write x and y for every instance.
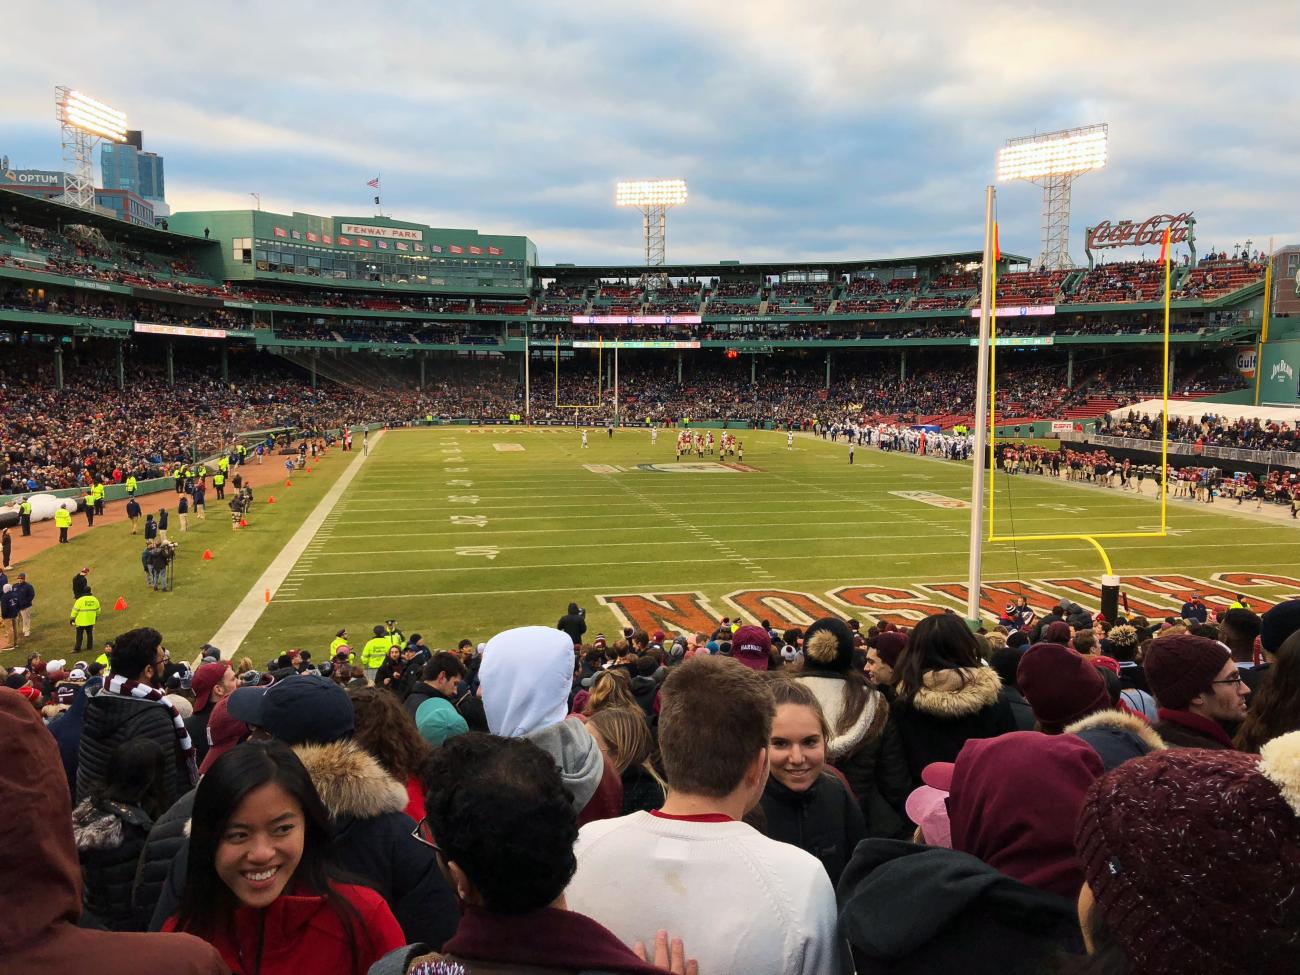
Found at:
(610, 689)
(623, 734)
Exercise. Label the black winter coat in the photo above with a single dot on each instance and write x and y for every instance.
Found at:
(110, 837)
(197, 725)
(1020, 709)
(373, 843)
(869, 755)
(112, 719)
(168, 840)
(945, 714)
(67, 728)
(420, 693)
(907, 909)
(824, 820)
(573, 623)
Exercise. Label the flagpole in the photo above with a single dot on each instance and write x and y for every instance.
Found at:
(981, 416)
(379, 207)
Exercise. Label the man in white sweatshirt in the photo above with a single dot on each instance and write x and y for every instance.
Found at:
(742, 903)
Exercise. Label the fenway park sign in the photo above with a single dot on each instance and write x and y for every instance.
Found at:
(1151, 231)
(1152, 596)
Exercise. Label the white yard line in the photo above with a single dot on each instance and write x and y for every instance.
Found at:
(237, 626)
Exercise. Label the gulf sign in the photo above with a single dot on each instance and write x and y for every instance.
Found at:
(1152, 596)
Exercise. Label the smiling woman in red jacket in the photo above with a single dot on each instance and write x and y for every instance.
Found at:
(261, 887)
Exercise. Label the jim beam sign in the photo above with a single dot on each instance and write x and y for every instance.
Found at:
(1146, 233)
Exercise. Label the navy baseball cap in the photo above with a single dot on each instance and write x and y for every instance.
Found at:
(297, 710)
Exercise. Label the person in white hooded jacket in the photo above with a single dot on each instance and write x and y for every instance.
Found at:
(526, 676)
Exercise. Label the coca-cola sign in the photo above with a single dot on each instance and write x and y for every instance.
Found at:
(1151, 231)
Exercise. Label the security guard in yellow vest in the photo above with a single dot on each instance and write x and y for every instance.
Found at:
(374, 652)
(223, 464)
(341, 640)
(25, 516)
(98, 491)
(131, 485)
(62, 521)
(219, 482)
(178, 475)
(89, 502)
(84, 613)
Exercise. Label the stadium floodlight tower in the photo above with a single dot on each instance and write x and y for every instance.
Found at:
(1053, 161)
(652, 197)
(83, 122)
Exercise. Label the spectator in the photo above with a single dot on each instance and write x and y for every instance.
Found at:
(1275, 709)
(945, 695)
(129, 706)
(610, 689)
(110, 828)
(261, 875)
(314, 716)
(697, 870)
(882, 659)
(804, 803)
(440, 677)
(574, 623)
(1060, 685)
(624, 735)
(1006, 662)
(525, 676)
(386, 731)
(863, 743)
(210, 684)
(1197, 689)
(504, 828)
(437, 721)
(1218, 849)
(39, 926)
(67, 728)
(1238, 628)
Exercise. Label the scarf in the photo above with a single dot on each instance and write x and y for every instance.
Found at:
(129, 687)
(1194, 722)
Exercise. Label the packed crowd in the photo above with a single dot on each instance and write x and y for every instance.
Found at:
(1249, 433)
(1057, 792)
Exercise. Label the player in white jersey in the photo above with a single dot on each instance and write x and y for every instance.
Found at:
(654, 436)
(789, 440)
(584, 438)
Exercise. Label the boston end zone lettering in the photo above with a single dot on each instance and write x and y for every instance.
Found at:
(1155, 596)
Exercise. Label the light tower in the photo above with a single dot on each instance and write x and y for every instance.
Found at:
(1053, 161)
(652, 197)
(82, 123)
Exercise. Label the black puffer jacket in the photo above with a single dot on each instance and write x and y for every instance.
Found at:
(167, 840)
(110, 837)
(112, 719)
(420, 693)
(373, 842)
(824, 819)
(869, 753)
(573, 623)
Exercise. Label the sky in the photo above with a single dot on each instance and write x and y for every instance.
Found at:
(814, 130)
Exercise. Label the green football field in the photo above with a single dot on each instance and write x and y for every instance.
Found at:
(461, 532)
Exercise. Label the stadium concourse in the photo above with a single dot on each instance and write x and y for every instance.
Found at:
(561, 684)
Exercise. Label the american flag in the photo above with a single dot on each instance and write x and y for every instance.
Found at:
(374, 182)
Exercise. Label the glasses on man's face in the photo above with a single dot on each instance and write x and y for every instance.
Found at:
(1234, 679)
(424, 834)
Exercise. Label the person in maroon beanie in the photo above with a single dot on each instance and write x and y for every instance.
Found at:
(1060, 685)
(1197, 690)
(1190, 859)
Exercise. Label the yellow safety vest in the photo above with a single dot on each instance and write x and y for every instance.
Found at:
(85, 610)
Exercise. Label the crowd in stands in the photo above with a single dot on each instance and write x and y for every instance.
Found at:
(1054, 792)
(1120, 281)
(1249, 433)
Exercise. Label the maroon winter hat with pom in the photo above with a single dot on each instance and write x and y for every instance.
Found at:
(1057, 632)
(1192, 857)
(890, 646)
(1181, 666)
(1060, 685)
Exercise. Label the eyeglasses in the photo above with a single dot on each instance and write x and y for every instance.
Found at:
(1234, 679)
(424, 834)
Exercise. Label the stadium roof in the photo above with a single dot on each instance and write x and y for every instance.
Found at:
(761, 267)
(37, 209)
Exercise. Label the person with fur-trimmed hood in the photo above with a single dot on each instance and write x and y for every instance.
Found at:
(863, 743)
(373, 836)
(946, 696)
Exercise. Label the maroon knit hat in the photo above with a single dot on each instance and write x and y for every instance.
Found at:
(1014, 801)
(890, 646)
(1192, 855)
(1060, 685)
(1181, 666)
(1057, 632)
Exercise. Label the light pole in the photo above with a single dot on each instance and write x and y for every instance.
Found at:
(1053, 161)
(83, 122)
(652, 197)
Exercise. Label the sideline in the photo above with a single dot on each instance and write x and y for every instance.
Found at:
(230, 637)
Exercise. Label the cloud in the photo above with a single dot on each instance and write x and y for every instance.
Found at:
(830, 130)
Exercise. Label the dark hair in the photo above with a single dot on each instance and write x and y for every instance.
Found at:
(443, 662)
(1006, 662)
(1276, 708)
(206, 903)
(1238, 629)
(715, 717)
(135, 771)
(499, 810)
(939, 642)
(387, 731)
(135, 650)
